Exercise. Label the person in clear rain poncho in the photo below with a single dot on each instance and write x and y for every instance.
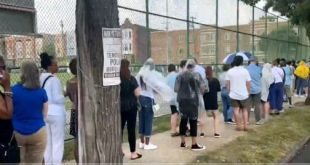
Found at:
(150, 81)
(189, 85)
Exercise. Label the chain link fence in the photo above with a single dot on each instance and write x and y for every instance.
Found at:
(166, 30)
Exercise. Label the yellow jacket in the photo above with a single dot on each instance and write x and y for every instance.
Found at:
(302, 70)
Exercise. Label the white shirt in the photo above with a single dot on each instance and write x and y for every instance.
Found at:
(278, 74)
(147, 91)
(56, 99)
(222, 79)
(238, 77)
(199, 69)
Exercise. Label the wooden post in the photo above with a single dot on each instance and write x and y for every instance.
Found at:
(99, 108)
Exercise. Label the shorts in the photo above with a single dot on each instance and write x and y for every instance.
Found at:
(288, 91)
(173, 109)
(244, 104)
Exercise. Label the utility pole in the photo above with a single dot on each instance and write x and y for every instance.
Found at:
(187, 29)
(99, 106)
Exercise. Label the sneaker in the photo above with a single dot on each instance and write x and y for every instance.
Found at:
(291, 106)
(230, 121)
(302, 96)
(202, 134)
(216, 135)
(150, 146)
(141, 145)
(197, 147)
(260, 122)
(252, 110)
(183, 145)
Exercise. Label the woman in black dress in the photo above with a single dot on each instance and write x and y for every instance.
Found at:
(210, 98)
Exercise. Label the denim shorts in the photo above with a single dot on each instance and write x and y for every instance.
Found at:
(146, 116)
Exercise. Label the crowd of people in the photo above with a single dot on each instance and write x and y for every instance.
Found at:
(244, 86)
(33, 115)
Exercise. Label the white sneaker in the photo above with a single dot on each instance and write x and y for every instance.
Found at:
(150, 147)
(302, 96)
(141, 145)
(252, 109)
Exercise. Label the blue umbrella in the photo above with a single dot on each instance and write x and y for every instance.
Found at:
(248, 54)
(230, 58)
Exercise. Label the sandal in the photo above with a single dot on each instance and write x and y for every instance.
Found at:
(175, 134)
(138, 157)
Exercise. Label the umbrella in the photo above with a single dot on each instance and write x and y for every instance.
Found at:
(248, 54)
(230, 58)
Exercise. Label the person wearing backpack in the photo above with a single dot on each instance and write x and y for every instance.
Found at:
(188, 86)
(56, 117)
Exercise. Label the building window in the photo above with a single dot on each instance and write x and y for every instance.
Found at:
(19, 49)
(203, 38)
(28, 46)
(181, 51)
(227, 36)
(211, 37)
(181, 38)
(211, 50)
(127, 48)
(208, 50)
(227, 49)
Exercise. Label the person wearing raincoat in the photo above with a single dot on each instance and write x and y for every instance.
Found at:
(302, 75)
(150, 81)
(188, 86)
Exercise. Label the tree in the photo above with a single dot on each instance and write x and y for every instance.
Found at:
(298, 11)
(275, 48)
(99, 108)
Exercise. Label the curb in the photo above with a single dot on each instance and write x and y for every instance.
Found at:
(295, 150)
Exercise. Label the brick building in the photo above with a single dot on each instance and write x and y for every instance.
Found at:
(203, 42)
(134, 41)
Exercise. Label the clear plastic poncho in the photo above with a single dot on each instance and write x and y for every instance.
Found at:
(155, 80)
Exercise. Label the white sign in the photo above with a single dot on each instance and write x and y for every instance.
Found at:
(112, 53)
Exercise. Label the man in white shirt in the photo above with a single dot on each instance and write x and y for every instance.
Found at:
(239, 83)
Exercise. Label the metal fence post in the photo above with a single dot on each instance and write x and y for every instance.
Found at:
(187, 29)
(217, 35)
(266, 33)
(148, 29)
(238, 25)
(253, 24)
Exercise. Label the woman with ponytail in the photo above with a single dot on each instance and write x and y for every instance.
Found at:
(56, 117)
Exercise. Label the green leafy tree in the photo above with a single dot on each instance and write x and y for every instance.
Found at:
(276, 48)
(298, 11)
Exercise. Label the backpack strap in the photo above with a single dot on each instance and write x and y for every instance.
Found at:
(44, 82)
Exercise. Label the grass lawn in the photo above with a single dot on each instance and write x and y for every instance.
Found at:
(161, 124)
(269, 143)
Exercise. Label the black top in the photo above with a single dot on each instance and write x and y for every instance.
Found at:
(128, 98)
(210, 98)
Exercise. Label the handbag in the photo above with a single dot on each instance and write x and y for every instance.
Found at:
(9, 153)
(155, 107)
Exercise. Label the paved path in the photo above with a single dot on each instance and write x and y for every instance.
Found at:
(169, 151)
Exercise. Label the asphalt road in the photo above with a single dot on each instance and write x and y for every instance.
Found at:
(302, 156)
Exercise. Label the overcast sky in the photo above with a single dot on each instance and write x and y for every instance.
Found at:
(51, 12)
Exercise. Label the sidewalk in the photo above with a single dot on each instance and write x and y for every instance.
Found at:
(169, 150)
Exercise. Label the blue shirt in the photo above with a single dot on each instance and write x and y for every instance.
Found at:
(288, 75)
(256, 74)
(28, 109)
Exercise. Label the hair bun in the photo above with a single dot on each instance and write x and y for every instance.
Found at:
(44, 55)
